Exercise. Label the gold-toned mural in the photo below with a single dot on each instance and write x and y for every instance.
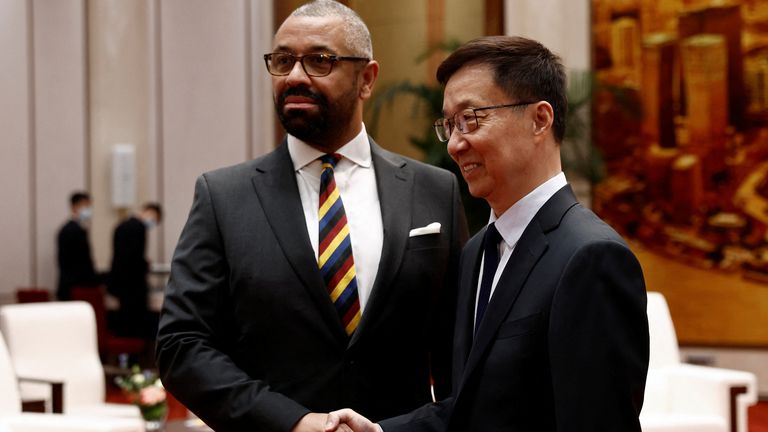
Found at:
(687, 174)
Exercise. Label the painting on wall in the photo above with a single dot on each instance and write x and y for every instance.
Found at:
(680, 116)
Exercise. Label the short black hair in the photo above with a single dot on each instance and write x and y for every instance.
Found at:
(78, 197)
(156, 207)
(524, 68)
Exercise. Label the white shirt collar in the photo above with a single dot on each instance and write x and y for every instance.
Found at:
(513, 222)
(358, 150)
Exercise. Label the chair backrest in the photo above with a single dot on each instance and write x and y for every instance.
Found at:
(32, 295)
(56, 340)
(663, 339)
(10, 401)
(95, 297)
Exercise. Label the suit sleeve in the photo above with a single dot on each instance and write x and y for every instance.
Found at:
(443, 325)
(429, 418)
(598, 340)
(196, 336)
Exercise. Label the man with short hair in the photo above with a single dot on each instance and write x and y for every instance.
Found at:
(129, 271)
(73, 250)
(322, 274)
(551, 326)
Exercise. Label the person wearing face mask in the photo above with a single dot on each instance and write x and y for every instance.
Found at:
(128, 275)
(74, 249)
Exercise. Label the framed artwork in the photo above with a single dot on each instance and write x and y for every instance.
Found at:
(680, 116)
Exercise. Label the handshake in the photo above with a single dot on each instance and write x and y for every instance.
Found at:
(344, 420)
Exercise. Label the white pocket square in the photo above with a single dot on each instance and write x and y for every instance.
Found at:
(433, 228)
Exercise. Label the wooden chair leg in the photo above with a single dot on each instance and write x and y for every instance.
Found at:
(735, 391)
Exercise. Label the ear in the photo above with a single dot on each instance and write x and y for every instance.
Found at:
(543, 117)
(368, 78)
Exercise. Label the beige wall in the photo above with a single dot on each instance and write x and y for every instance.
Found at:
(561, 25)
(119, 78)
(16, 198)
(43, 136)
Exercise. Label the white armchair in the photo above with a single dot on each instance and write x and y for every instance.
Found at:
(57, 341)
(684, 397)
(13, 420)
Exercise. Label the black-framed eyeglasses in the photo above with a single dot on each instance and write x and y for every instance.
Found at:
(316, 65)
(465, 120)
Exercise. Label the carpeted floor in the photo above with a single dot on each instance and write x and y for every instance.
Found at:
(758, 417)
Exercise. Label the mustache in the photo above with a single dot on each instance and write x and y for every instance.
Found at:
(303, 92)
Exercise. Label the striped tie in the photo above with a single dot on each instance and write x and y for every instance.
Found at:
(335, 248)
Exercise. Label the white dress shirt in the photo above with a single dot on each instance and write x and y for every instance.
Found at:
(513, 222)
(356, 182)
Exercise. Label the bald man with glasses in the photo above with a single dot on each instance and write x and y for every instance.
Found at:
(322, 274)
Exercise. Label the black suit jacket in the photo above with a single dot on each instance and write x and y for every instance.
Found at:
(563, 345)
(74, 259)
(128, 275)
(249, 339)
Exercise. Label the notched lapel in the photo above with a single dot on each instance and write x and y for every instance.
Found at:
(395, 188)
(529, 249)
(274, 181)
(465, 311)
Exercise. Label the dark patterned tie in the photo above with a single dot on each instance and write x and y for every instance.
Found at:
(335, 248)
(490, 263)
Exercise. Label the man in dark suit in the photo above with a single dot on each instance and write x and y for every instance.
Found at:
(551, 326)
(285, 300)
(129, 271)
(73, 250)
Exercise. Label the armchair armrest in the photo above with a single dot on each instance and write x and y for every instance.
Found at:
(57, 394)
(709, 390)
(34, 422)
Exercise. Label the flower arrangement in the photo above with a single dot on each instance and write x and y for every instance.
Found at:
(144, 389)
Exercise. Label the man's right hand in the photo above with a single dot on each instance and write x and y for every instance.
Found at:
(346, 420)
(312, 422)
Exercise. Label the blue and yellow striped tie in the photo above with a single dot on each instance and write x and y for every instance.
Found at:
(335, 248)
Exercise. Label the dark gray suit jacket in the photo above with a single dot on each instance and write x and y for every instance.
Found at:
(563, 345)
(249, 339)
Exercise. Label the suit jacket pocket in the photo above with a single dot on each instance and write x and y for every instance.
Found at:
(426, 241)
(519, 326)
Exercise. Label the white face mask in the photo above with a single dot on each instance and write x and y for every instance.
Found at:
(150, 223)
(85, 214)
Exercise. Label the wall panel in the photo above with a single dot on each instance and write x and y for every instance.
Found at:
(61, 147)
(204, 95)
(15, 144)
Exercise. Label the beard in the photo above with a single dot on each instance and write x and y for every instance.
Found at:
(322, 127)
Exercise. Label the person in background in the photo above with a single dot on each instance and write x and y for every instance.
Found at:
(551, 329)
(73, 250)
(322, 274)
(129, 271)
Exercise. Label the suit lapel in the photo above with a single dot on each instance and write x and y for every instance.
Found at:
(274, 180)
(531, 246)
(465, 312)
(395, 185)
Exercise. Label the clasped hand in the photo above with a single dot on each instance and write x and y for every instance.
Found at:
(346, 420)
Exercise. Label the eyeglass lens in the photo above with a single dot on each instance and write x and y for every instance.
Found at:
(465, 121)
(313, 64)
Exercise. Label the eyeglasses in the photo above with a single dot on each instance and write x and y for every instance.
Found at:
(316, 65)
(465, 121)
